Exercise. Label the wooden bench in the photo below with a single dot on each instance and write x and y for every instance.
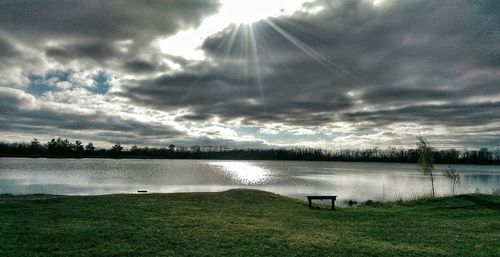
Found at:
(322, 197)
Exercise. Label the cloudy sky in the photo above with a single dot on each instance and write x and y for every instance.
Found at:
(260, 73)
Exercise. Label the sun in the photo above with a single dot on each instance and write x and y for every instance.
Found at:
(247, 12)
(186, 43)
(378, 2)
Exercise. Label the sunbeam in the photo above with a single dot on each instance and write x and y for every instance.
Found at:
(255, 58)
(345, 75)
(232, 37)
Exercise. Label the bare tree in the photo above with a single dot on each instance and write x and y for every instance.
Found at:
(454, 177)
(426, 160)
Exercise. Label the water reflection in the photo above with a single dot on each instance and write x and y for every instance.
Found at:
(359, 181)
(245, 173)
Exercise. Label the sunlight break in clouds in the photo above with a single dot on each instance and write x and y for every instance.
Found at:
(186, 43)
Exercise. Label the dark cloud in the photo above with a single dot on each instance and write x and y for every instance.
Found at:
(140, 66)
(6, 49)
(456, 115)
(104, 34)
(315, 69)
(12, 99)
(112, 19)
(230, 95)
(95, 50)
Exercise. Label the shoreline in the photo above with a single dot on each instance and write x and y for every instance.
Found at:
(224, 159)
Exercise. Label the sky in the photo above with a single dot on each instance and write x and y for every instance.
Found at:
(252, 74)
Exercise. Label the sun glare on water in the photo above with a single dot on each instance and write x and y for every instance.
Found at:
(243, 172)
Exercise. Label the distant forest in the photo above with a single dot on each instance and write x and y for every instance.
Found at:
(63, 148)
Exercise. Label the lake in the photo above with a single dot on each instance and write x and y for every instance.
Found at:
(348, 180)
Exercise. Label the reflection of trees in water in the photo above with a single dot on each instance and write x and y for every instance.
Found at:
(483, 179)
(357, 181)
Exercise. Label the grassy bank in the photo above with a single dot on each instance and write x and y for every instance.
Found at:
(244, 223)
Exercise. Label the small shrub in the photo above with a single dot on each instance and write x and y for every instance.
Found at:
(454, 176)
(352, 203)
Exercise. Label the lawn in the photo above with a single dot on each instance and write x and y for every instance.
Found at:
(244, 223)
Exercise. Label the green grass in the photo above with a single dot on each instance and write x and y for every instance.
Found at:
(244, 223)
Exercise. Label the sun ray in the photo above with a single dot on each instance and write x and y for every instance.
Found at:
(345, 75)
(223, 41)
(256, 61)
(232, 38)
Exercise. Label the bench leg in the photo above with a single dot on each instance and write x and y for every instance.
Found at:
(310, 204)
(333, 205)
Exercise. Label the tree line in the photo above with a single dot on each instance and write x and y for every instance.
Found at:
(59, 147)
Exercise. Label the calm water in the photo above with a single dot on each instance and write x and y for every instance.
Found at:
(360, 181)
